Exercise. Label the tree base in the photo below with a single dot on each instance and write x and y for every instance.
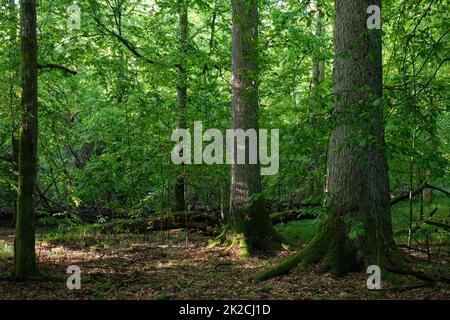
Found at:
(245, 246)
(337, 254)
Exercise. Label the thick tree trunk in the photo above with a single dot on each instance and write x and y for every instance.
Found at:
(180, 192)
(358, 231)
(250, 223)
(24, 251)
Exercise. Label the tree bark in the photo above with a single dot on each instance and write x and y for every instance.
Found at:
(411, 182)
(12, 96)
(314, 184)
(24, 250)
(250, 223)
(318, 68)
(180, 192)
(358, 186)
(358, 230)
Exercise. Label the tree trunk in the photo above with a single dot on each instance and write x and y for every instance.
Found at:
(12, 96)
(24, 250)
(411, 182)
(250, 223)
(318, 69)
(180, 192)
(358, 230)
(314, 184)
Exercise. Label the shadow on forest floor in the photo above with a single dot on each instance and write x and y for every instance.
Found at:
(173, 266)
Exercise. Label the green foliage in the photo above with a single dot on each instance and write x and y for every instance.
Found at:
(105, 132)
(6, 250)
(355, 226)
(302, 231)
(435, 235)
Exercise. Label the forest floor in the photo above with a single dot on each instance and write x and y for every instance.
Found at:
(178, 265)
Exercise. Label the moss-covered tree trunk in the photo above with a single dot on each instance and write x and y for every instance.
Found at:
(24, 250)
(358, 231)
(250, 222)
(180, 192)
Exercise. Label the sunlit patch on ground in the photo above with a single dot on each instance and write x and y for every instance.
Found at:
(173, 267)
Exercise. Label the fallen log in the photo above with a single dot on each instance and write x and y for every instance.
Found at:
(183, 219)
(86, 214)
(198, 220)
(193, 220)
(285, 205)
(292, 215)
(189, 220)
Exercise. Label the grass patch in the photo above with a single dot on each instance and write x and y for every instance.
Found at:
(400, 220)
(302, 231)
(6, 250)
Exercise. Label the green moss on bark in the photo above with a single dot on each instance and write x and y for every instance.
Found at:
(251, 231)
(254, 230)
(335, 252)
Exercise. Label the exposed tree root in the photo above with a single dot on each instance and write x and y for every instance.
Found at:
(227, 239)
(406, 288)
(37, 277)
(420, 275)
(219, 240)
(336, 253)
(304, 258)
(283, 268)
(232, 240)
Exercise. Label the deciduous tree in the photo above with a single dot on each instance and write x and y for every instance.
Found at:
(24, 250)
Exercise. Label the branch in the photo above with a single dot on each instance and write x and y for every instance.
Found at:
(417, 191)
(428, 186)
(438, 224)
(56, 66)
(418, 226)
(420, 275)
(425, 86)
(124, 41)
